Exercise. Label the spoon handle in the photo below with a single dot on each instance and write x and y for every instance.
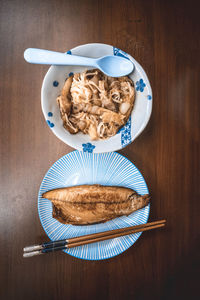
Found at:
(40, 56)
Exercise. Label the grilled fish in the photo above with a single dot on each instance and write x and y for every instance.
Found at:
(90, 204)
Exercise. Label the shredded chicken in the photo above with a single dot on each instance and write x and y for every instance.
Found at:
(96, 104)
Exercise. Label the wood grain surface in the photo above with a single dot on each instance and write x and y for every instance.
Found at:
(163, 36)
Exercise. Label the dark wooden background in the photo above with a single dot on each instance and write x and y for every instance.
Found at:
(164, 37)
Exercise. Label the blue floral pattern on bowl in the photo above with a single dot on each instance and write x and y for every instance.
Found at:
(126, 133)
(140, 85)
(51, 125)
(55, 83)
(88, 147)
(119, 52)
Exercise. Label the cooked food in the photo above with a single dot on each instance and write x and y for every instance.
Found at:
(89, 204)
(96, 104)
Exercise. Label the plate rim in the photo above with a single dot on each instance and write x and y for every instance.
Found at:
(110, 148)
(76, 256)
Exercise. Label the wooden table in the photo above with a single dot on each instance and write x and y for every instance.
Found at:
(164, 37)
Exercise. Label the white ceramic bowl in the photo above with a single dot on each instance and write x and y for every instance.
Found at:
(52, 86)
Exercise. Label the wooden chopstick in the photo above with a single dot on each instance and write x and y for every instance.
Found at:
(91, 238)
(112, 232)
(113, 235)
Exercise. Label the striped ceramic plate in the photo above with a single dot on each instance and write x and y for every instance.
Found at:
(78, 168)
